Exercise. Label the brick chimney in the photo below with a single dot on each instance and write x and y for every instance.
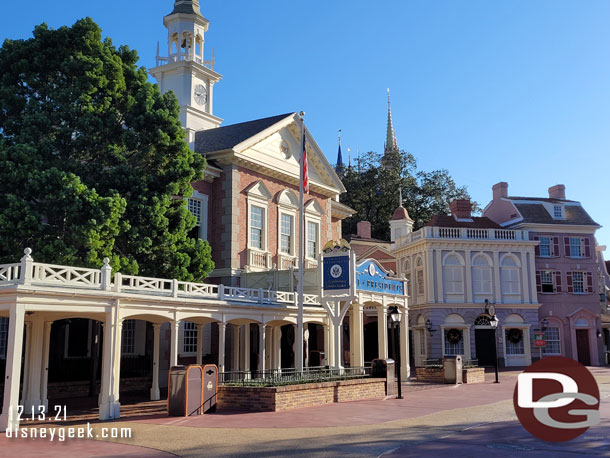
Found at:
(557, 192)
(364, 229)
(461, 208)
(500, 190)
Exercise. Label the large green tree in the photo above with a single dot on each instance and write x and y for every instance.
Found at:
(93, 161)
(373, 186)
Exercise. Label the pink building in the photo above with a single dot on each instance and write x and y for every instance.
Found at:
(566, 268)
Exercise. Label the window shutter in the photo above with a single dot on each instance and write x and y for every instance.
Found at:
(538, 281)
(587, 248)
(566, 244)
(569, 282)
(590, 282)
(537, 248)
(555, 247)
(557, 282)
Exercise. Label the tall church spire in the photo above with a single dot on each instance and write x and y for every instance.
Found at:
(390, 140)
(339, 167)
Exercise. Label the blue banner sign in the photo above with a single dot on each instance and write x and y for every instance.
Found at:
(370, 277)
(336, 272)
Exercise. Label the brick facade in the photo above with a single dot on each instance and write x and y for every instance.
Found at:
(273, 399)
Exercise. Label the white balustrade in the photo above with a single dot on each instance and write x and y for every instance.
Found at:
(74, 276)
(145, 284)
(10, 272)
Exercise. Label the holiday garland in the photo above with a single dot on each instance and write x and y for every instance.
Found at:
(454, 336)
(514, 335)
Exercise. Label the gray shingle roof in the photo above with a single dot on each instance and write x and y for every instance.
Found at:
(536, 213)
(186, 7)
(478, 222)
(226, 137)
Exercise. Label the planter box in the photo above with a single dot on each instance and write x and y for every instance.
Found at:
(273, 399)
(437, 374)
(473, 375)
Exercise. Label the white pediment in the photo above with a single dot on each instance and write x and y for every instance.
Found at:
(287, 198)
(313, 207)
(278, 148)
(258, 190)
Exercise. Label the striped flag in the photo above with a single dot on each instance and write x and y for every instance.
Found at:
(305, 176)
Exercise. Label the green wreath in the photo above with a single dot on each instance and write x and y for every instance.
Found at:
(454, 336)
(514, 335)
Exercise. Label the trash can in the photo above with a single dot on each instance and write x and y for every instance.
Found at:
(384, 368)
(452, 367)
(185, 391)
(210, 388)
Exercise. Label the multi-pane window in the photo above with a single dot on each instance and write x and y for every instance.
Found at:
(514, 342)
(420, 282)
(195, 206)
(286, 230)
(509, 276)
(190, 337)
(557, 211)
(257, 218)
(481, 276)
(312, 239)
(128, 341)
(576, 249)
(3, 336)
(546, 278)
(453, 272)
(545, 247)
(578, 282)
(553, 346)
(454, 342)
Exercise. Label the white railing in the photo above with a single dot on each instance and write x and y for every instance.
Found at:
(258, 259)
(28, 272)
(10, 272)
(466, 233)
(73, 276)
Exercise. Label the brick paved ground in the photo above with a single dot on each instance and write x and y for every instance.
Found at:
(468, 420)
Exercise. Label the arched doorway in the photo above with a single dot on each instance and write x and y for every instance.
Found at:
(484, 340)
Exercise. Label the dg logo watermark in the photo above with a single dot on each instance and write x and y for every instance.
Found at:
(556, 399)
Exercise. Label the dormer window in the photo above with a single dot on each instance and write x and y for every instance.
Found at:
(558, 211)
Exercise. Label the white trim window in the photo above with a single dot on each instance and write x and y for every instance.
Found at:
(509, 276)
(189, 338)
(513, 346)
(578, 282)
(453, 348)
(286, 233)
(557, 211)
(128, 339)
(198, 206)
(545, 246)
(553, 341)
(481, 276)
(257, 221)
(577, 247)
(453, 273)
(313, 233)
(546, 280)
(3, 337)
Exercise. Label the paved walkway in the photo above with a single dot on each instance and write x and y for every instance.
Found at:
(467, 420)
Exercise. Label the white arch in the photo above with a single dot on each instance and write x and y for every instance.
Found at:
(455, 254)
(287, 198)
(480, 255)
(514, 318)
(314, 207)
(454, 318)
(505, 260)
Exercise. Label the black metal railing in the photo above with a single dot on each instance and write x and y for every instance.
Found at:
(291, 376)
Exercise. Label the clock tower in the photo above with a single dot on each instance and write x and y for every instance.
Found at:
(184, 71)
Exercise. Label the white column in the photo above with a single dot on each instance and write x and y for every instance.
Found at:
(382, 331)
(26, 364)
(405, 369)
(222, 328)
(358, 335)
(235, 355)
(277, 347)
(155, 395)
(261, 347)
(330, 331)
(46, 346)
(246, 357)
(173, 350)
(9, 417)
(338, 332)
(305, 344)
(468, 276)
(32, 398)
(498, 291)
(430, 276)
(439, 276)
(525, 292)
(326, 345)
(199, 344)
(534, 291)
(110, 406)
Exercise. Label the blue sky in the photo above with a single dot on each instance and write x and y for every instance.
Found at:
(515, 91)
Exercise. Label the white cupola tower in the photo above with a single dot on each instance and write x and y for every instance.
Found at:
(184, 71)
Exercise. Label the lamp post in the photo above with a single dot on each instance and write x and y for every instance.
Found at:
(494, 325)
(395, 317)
